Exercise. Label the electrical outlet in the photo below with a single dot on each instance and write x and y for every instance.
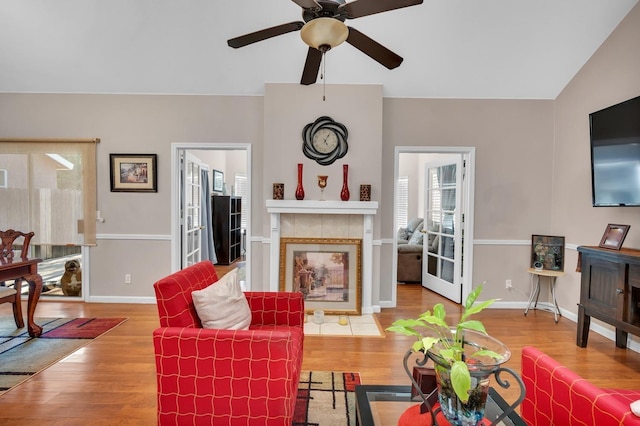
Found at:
(127, 278)
(508, 284)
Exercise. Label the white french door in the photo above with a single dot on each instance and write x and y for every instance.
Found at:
(442, 245)
(191, 200)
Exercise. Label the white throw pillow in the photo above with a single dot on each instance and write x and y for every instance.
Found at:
(223, 305)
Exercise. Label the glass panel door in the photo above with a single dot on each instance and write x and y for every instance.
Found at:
(191, 201)
(443, 231)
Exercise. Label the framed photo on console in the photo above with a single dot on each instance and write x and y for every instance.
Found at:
(325, 270)
(614, 236)
(133, 172)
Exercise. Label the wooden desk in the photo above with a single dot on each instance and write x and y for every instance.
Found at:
(25, 269)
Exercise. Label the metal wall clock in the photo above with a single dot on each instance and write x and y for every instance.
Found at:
(325, 140)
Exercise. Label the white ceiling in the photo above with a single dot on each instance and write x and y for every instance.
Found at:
(451, 48)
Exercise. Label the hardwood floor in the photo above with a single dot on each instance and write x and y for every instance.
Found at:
(111, 381)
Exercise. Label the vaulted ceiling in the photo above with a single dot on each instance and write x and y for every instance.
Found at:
(451, 48)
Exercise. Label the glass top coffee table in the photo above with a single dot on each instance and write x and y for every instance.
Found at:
(378, 405)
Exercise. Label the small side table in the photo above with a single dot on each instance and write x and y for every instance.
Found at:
(535, 290)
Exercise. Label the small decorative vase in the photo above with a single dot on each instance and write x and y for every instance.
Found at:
(322, 183)
(344, 194)
(299, 188)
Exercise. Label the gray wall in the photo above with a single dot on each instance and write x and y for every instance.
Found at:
(512, 139)
(612, 75)
(532, 169)
(135, 237)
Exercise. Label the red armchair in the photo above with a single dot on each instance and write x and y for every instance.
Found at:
(558, 396)
(226, 377)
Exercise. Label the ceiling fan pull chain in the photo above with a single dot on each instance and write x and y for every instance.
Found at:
(322, 75)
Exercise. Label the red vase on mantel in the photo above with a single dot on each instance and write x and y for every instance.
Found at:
(299, 188)
(344, 194)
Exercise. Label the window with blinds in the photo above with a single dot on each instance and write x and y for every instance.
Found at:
(242, 190)
(402, 201)
(52, 190)
(435, 197)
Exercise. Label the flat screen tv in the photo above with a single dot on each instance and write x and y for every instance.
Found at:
(615, 155)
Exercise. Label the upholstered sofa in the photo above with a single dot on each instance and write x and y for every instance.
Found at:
(219, 376)
(410, 248)
(556, 396)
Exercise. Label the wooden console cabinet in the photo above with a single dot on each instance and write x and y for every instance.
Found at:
(609, 291)
(227, 232)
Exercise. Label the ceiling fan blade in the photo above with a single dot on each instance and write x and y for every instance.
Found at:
(373, 49)
(359, 8)
(308, 4)
(311, 67)
(254, 37)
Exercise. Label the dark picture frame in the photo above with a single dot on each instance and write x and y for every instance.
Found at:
(134, 172)
(218, 181)
(614, 236)
(327, 271)
(547, 252)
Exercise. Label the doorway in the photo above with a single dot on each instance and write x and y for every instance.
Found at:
(235, 160)
(412, 177)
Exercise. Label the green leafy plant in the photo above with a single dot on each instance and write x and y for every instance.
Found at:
(450, 339)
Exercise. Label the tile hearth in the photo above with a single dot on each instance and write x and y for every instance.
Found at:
(362, 325)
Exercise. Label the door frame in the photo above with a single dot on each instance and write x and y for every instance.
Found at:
(175, 197)
(468, 154)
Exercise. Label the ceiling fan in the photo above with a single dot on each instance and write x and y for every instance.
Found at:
(323, 28)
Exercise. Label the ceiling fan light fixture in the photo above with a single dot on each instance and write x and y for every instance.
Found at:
(324, 33)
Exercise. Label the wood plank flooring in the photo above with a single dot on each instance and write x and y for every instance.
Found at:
(111, 381)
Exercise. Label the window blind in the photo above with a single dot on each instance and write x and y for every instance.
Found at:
(242, 190)
(51, 189)
(402, 201)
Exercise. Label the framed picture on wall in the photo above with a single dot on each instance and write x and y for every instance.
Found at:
(547, 252)
(218, 181)
(133, 172)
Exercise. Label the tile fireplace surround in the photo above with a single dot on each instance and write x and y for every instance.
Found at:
(324, 219)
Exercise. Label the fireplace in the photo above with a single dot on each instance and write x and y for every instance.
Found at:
(324, 219)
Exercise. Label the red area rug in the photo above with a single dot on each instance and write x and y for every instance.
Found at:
(22, 356)
(83, 328)
(326, 398)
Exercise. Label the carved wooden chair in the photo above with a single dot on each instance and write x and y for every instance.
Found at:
(13, 294)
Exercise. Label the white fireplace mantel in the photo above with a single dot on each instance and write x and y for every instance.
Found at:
(365, 208)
